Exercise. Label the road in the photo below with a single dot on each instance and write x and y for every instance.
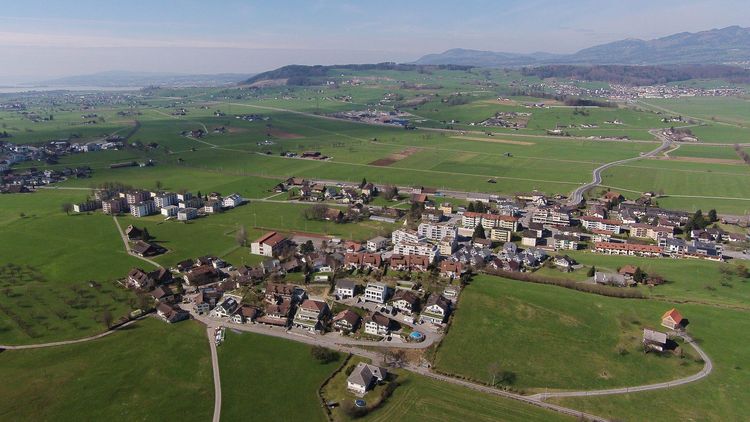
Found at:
(69, 342)
(576, 197)
(210, 330)
(707, 369)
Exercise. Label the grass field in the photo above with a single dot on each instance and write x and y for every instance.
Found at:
(266, 378)
(47, 262)
(722, 396)
(554, 338)
(103, 380)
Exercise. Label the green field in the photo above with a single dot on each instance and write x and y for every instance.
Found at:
(267, 378)
(150, 371)
(722, 396)
(554, 338)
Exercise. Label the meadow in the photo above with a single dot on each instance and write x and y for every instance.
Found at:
(554, 338)
(267, 378)
(100, 380)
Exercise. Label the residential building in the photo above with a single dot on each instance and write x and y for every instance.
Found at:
(596, 223)
(529, 238)
(551, 217)
(631, 249)
(225, 309)
(346, 321)
(447, 245)
(405, 301)
(377, 243)
(171, 313)
(422, 248)
(232, 201)
(565, 242)
(436, 309)
(135, 197)
(345, 289)
(277, 314)
(143, 209)
(114, 206)
(185, 214)
(269, 244)
(170, 210)
(500, 235)
(363, 377)
(245, 314)
(378, 324)
(311, 314)
(451, 269)
(434, 231)
(212, 206)
(165, 199)
(376, 292)
(406, 235)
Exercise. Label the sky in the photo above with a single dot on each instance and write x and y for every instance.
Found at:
(47, 39)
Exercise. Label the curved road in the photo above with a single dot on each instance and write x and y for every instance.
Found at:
(707, 369)
(67, 342)
(577, 196)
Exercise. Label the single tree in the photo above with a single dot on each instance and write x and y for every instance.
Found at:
(363, 183)
(241, 236)
(158, 184)
(712, 217)
(592, 271)
(67, 207)
(478, 233)
(470, 207)
(307, 247)
(107, 318)
(639, 276)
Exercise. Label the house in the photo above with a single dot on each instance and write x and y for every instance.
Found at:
(133, 233)
(451, 269)
(143, 249)
(245, 314)
(171, 313)
(611, 279)
(564, 262)
(376, 292)
(363, 377)
(212, 206)
(233, 200)
(269, 244)
(163, 294)
(654, 340)
(225, 309)
(405, 301)
(278, 292)
(345, 289)
(334, 214)
(185, 214)
(139, 279)
(311, 315)
(277, 314)
(378, 324)
(628, 271)
(436, 309)
(377, 243)
(673, 320)
(529, 238)
(202, 274)
(565, 242)
(346, 321)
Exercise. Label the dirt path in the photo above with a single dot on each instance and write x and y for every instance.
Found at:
(127, 245)
(68, 342)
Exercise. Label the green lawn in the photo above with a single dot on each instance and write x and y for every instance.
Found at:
(150, 371)
(266, 378)
(554, 338)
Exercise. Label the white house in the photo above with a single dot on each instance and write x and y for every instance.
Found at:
(378, 325)
(436, 309)
(363, 377)
(345, 289)
(376, 292)
(377, 243)
(225, 308)
(232, 201)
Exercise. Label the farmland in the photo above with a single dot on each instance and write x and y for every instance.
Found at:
(261, 373)
(171, 380)
(596, 340)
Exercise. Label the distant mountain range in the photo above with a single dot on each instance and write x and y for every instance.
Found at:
(716, 46)
(143, 79)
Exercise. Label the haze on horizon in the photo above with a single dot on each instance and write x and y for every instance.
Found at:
(58, 38)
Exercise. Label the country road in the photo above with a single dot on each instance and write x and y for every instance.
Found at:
(576, 197)
(210, 330)
(69, 342)
(707, 369)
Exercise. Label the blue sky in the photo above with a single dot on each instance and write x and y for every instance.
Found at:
(43, 39)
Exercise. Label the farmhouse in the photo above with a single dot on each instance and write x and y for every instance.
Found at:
(363, 377)
(673, 320)
(654, 340)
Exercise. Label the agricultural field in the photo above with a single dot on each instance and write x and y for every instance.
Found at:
(100, 380)
(270, 378)
(57, 275)
(596, 339)
(722, 396)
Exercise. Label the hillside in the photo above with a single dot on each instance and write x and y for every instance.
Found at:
(715, 46)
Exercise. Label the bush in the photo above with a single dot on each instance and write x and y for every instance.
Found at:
(620, 292)
(349, 370)
(324, 355)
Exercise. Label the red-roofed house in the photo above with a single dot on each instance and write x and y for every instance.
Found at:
(672, 319)
(269, 244)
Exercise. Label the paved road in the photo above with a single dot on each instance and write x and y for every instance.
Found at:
(577, 196)
(217, 377)
(707, 369)
(68, 342)
(127, 245)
